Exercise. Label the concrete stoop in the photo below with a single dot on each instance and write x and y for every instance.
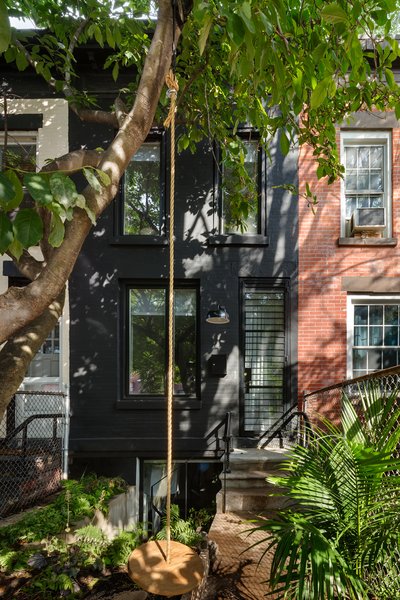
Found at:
(246, 485)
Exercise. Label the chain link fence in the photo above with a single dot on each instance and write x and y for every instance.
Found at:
(328, 401)
(32, 442)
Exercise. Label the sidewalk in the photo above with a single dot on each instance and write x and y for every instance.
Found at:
(237, 570)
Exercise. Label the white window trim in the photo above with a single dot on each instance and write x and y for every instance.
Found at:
(353, 299)
(369, 137)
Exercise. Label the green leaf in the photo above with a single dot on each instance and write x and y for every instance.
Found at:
(16, 248)
(319, 94)
(92, 179)
(204, 33)
(390, 79)
(98, 36)
(6, 232)
(115, 71)
(284, 143)
(38, 186)
(5, 29)
(81, 203)
(63, 189)
(57, 231)
(333, 13)
(235, 28)
(28, 227)
(245, 13)
(21, 61)
(110, 38)
(19, 192)
(7, 190)
(104, 177)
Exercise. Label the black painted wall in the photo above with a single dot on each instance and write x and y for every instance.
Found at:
(104, 437)
(99, 426)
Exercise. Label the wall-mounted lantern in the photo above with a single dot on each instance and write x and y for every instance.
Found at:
(218, 316)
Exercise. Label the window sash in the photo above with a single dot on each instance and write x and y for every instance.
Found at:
(230, 199)
(375, 336)
(147, 341)
(143, 198)
(367, 161)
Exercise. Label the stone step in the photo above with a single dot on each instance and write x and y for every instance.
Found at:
(254, 459)
(246, 479)
(257, 499)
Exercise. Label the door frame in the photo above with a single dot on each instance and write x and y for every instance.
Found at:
(267, 283)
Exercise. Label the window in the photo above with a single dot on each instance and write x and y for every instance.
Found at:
(242, 200)
(374, 332)
(20, 151)
(143, 207)
(46, 362)
(148, 340)
(366, 206)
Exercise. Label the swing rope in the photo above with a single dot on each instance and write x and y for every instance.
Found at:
(173, 88)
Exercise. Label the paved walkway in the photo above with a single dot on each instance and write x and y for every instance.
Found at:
(240, 570)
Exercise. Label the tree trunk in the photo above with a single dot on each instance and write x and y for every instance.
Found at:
(18, 352)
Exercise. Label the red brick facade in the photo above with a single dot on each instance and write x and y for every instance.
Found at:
(323, 264)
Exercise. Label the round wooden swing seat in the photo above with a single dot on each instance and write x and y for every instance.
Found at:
(149, 569)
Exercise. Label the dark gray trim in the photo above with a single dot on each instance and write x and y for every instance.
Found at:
(377, 284)
(139, 240)
(238, 240)
(10, 270)
(25, 122)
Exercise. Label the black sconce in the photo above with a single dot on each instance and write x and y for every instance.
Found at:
(218, 316)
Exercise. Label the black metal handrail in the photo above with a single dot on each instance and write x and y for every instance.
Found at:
(220, 433)
(4, 443)
(281, 423)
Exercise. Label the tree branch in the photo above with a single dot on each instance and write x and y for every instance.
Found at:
(102, 117)
(27, 265)
(20, 306)
(71, 48)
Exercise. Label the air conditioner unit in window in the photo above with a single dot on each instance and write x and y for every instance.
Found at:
(368, 221)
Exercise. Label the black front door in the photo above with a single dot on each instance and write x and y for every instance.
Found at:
(264, 355)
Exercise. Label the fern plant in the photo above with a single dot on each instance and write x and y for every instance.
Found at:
(181, 530)
(345, 524)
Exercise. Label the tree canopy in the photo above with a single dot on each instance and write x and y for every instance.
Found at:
(293, 66)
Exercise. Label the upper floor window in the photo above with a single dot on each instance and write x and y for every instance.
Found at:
(374, 334)
(143, 191)
(147, 340)
(366, 207)
(242, 196)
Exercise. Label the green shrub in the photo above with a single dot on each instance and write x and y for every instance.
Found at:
(341, 539)
(77, 500)
(118, 551)
(181, 530)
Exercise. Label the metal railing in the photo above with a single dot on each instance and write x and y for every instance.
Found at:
(300, 431)
(218, 444)
(32, 440)
(327, 401)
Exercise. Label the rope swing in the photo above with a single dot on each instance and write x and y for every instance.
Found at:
(166, 567)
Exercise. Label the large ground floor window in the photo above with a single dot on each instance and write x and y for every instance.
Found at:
(374, 334)
(148, 340)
